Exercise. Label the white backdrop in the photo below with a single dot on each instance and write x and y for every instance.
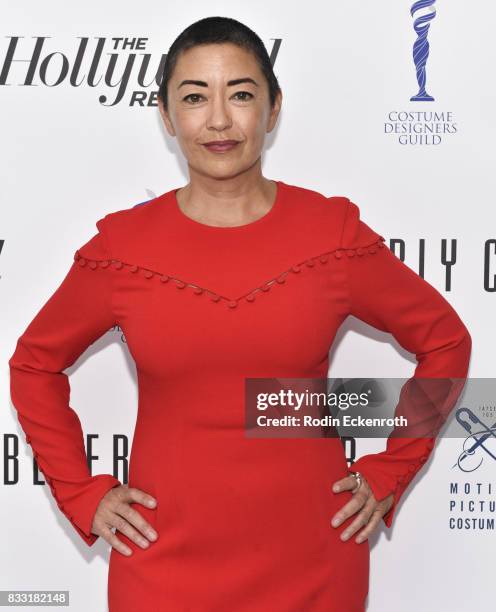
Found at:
(345, 68)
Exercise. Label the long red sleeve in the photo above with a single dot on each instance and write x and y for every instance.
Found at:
(77, 313)
(385, 293)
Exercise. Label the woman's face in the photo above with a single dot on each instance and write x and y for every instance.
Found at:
(212, 109)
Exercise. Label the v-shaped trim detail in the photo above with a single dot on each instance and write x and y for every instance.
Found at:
(118, 264)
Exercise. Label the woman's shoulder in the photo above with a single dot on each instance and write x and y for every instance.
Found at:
(135, 216)
(314, 200)
(125, 226)
(338, 215)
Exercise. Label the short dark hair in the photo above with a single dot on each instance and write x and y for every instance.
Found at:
(211, 30)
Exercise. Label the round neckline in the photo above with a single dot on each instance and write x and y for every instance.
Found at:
(276, 205)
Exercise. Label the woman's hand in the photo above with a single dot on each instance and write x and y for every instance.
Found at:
(363, 500)
(114, 511)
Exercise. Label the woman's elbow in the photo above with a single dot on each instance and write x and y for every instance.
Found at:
(449, 358)
(465, 347)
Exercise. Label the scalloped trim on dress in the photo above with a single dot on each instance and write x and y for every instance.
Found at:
(41, 464)
(250, 296)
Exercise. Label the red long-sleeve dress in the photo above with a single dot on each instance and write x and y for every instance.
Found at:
(244, 524)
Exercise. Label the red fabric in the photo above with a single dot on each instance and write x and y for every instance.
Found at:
(244, 524)
(73, 318)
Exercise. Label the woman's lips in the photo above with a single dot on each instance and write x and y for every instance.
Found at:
(221, 147)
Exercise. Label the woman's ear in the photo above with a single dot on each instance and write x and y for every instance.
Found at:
(166, 118)
(274, 112)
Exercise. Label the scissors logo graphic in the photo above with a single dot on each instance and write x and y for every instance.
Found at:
(475, 440)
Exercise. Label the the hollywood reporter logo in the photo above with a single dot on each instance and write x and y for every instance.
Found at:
(113, 63)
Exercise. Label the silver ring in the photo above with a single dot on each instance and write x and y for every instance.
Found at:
(358, 478)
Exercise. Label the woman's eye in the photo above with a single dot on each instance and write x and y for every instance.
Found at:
(244, 93)
(192, 95)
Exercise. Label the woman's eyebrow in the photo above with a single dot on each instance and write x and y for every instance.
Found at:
(229, 83)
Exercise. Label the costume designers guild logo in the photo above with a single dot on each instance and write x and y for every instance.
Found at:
(472, 503)
(419, 126)
(115, 65)
(480, 444)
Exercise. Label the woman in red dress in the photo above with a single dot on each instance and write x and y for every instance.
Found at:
(229, 277)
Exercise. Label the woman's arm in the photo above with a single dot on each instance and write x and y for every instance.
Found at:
(385, 293)
(77, 313)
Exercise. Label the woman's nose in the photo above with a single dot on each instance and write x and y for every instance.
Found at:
(219, 116)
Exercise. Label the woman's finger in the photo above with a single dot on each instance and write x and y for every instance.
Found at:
(369, 527)
(358, 500)
(360, 520)
(114, 541)
(132, 494)
(345, 484)
(125, 527)
(138, 496)
(136, 520)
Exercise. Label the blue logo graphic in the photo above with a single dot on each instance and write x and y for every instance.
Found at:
(421, 46)
(475, 440)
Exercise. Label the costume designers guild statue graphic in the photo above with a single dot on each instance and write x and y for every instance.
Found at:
(421, 46)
